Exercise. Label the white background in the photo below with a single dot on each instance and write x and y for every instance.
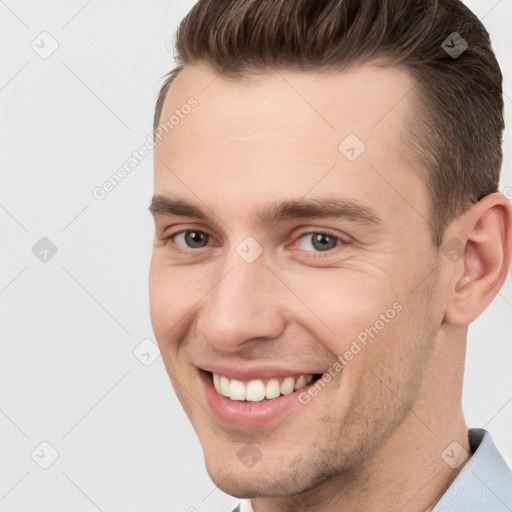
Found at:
(68, 375)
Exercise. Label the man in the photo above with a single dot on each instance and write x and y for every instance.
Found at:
(328, 223)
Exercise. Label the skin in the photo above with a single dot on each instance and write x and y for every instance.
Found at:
(372, 439)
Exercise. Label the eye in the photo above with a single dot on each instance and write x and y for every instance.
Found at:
(191, 239)
(318, 242)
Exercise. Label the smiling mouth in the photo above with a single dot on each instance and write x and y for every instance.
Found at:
(259, 390)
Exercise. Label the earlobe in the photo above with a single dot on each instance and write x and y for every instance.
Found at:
(487, 239)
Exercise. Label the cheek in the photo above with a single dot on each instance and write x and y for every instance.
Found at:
(172, 293)
(170, 302)
(160, 300)
(345, 307)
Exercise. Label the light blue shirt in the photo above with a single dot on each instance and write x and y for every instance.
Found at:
(483, 485)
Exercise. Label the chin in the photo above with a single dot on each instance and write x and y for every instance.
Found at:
(279, 477)
(248, 485)
(239, 483)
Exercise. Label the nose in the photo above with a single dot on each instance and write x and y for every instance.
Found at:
(244, 305)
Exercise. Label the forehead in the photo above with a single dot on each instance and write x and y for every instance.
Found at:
(360, 99)
(289, 132)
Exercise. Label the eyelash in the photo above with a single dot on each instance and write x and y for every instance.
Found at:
(306, 233)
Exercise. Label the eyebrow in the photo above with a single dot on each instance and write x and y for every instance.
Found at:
(163, 205)
(321, 208)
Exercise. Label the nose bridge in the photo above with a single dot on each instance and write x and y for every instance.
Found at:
(241, 305)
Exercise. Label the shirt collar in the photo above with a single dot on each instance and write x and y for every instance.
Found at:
(484, 483)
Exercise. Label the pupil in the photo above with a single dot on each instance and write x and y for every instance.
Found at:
(323, 242)
(195, 239)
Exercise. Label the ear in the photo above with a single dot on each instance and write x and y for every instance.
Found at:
(484, 245)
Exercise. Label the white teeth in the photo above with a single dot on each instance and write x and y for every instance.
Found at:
(256, 390)
(236, 390)
(223, 386)
(272, 389)
(287, 386)
(300, 382)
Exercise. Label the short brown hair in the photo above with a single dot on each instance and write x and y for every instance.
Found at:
(457, 136)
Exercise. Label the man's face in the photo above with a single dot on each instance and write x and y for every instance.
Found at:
(302, 245)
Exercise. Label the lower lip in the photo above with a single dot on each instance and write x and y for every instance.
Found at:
(248, 414)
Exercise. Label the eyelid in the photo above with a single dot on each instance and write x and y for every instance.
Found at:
(169, 233)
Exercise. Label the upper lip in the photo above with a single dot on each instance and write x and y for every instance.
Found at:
(252, 372)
